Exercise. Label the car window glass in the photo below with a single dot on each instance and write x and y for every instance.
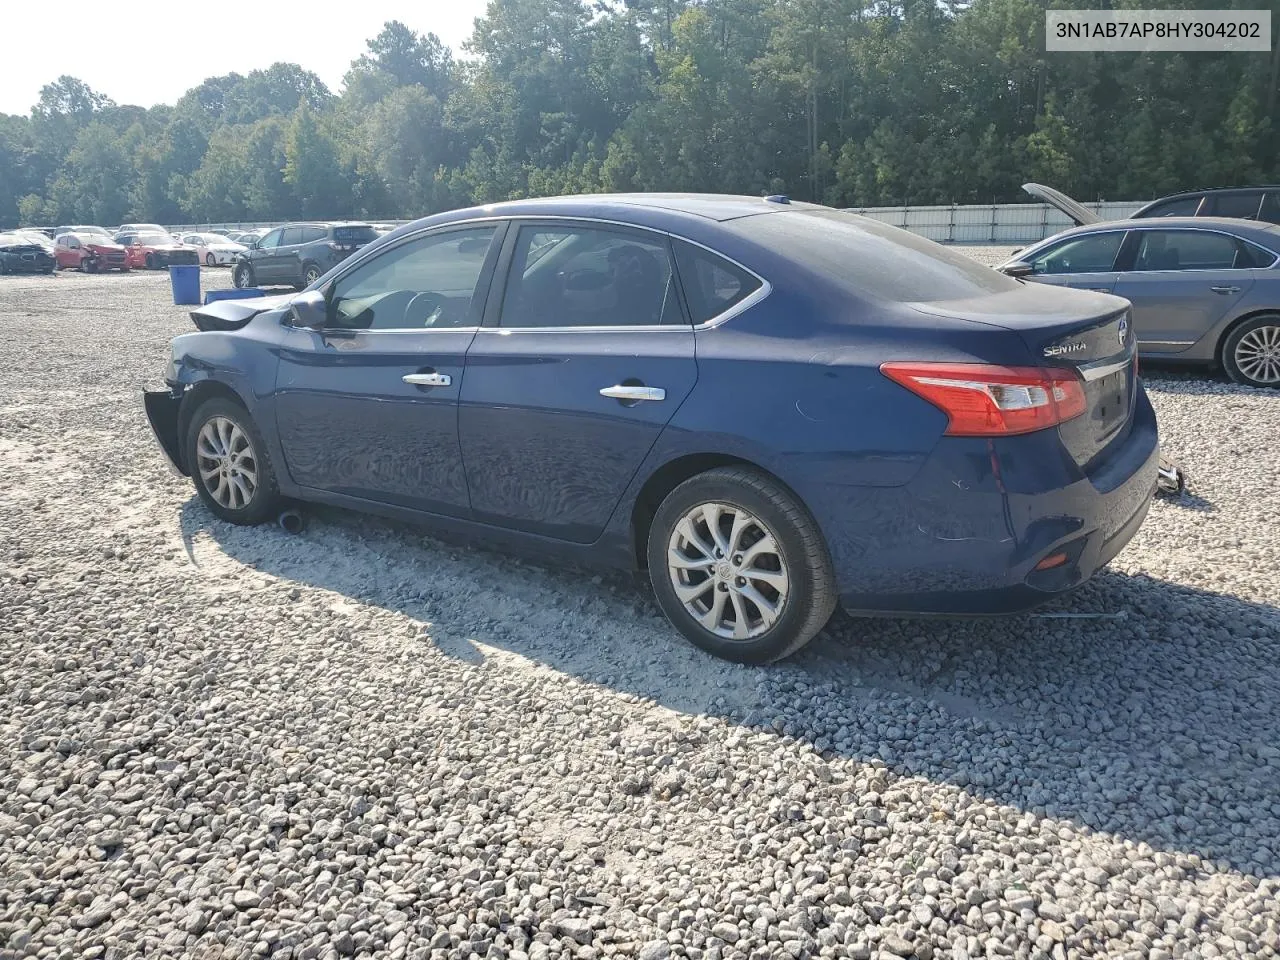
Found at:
(711, 283)
(270, 240)
(1241, 205)
(312, 234)
(1250, 256)
(589, 277)
(291, 236)
(1270, 211)
(1186, 207)
(1185, 250)
(1094, 253)
(427, 283)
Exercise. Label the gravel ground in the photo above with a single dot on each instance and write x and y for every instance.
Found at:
(364, 742)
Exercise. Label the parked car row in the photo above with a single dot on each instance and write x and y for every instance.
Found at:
(1204, 289)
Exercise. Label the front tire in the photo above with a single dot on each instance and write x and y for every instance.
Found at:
(151, 261)
(242, 276)
(210, 260)
(230, 465)
(1251, 352)
(739, 566)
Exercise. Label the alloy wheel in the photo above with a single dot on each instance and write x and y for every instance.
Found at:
(727, 569)
(227, 464)
(1257, 354)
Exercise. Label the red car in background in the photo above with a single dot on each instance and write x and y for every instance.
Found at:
(89, 252)
(155, 251)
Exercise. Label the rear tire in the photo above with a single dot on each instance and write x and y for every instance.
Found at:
(758, 587)
(151, 261)
(229, 463)
(242, 276)
(310, 274)
(1250, 353)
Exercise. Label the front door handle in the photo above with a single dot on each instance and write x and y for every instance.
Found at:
(428, 379)
(1225, 290)
(636, 393)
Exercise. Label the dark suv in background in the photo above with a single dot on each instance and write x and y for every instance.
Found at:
(298, 254)
(1240, 203)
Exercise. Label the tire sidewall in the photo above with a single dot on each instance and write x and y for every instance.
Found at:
(1232, 341)
(242, 276)
(266, 499)
(307, 269)
(779, 640)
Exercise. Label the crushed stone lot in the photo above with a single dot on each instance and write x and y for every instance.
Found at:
(361, 741)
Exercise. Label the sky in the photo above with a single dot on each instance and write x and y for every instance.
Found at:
(146, 56)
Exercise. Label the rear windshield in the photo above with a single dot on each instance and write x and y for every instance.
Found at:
(873, 258)
(354, 234)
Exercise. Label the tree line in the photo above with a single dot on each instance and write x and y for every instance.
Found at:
(847, 102)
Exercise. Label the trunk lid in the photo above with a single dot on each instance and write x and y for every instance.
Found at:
(1082, 215)
(1090, 333)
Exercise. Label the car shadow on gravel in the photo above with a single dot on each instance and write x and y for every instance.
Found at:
(1149, 711)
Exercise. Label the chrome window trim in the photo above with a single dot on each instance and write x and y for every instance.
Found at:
(746, 303)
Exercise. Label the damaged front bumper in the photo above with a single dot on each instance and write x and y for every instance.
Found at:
(162, 408)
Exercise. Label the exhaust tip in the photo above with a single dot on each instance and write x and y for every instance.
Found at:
(292, 521)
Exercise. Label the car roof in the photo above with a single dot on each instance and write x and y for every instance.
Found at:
(1228, 224)
(711, 206)
(1201, 191)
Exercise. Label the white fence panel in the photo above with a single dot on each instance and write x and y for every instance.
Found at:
(994, 223)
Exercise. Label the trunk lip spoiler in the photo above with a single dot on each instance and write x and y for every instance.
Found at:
(1073, 209)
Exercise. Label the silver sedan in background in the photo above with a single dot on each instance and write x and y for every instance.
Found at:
(1204, 290)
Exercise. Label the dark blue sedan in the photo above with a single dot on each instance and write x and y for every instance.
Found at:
(774, 407)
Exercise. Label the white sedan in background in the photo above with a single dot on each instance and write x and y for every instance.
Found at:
(213, 249)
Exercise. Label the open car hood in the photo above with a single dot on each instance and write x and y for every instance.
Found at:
(1082, 215)
(234, 314)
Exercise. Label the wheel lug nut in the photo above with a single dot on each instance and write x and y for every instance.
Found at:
(722, 586)
(737, 558)
(740, 581)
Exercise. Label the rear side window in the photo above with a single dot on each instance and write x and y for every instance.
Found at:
(1186, 207)
(711, 283)
(580, 275)
(1241, 205)
(291, 237)
(354, 234)
(312, 234)
(1187, 250)
(870, 258)
(1270, 207)
(1251, 256)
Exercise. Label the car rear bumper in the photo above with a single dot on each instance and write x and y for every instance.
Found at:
(966, 536)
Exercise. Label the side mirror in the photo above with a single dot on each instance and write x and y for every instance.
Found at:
(310, 310)
(1017, 269)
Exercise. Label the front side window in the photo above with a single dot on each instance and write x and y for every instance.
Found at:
(270, 241)
(428, 283)
(1189, 250)
(1095, 253)
(586, 276)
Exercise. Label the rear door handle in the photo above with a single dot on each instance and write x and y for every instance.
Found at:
(635, 393)
(1225, 290)
(428, 379)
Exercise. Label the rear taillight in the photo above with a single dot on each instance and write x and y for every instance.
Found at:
(985, 400)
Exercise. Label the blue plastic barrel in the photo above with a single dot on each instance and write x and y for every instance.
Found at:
(185, 281)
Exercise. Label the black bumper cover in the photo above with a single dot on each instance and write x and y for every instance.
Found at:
(162, 408)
